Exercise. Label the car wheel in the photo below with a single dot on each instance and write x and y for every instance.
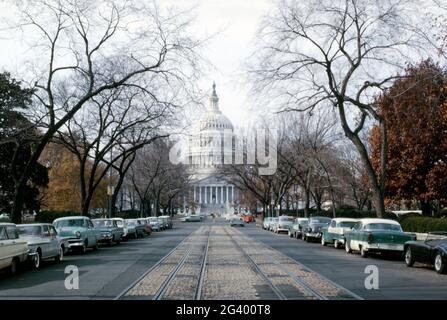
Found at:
(307, 239)
(440, 265)
(118, 241)
(323, 241)
(348, 246)
(14, 266)
(409, 260)
(36, 260)
(60, 256)
(363, 252)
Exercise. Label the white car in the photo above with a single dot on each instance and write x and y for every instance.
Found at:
(43, 242)
(13, 250)
(120, 222)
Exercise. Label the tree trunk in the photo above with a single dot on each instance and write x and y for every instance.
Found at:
(307, 194)
(378, 186)
(426, 208)
(16, 214)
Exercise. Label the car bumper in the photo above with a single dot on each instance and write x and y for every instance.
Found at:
(105, 239)
(313, 234)
(384, 247)
(75, 243)
(283, 229)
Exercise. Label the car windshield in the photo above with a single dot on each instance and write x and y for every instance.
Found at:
(320, 220)
(69, 223)
(347, 224)
(103, 223)
(383, 226)
(153, 219)
(29, 230)
(285, 219)
(303, 222)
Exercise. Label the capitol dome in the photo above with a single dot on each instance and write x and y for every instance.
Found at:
(213, 119)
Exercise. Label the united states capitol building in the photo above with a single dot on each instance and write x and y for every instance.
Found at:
(210, 149)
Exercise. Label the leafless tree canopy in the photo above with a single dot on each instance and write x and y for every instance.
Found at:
(340, 54)
(87, 50)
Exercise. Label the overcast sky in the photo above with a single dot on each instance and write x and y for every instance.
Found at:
(233, 24)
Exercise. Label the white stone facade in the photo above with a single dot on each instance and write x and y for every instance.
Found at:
(210, 147)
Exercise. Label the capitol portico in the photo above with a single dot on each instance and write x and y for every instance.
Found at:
(211, 146)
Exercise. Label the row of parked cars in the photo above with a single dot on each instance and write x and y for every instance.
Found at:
(36, 242)
(366, 236)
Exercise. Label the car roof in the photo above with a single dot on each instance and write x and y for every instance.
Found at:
(33, 224)
(6, 224)
(72, 217)
(345, 220)
(378, 220)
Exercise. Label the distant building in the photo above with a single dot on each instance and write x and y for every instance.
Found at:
(211, 145)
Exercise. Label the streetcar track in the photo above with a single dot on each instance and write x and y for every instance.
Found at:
(272, 286)
(167, 282)
(314, 292)
(198, 293)
(165, 285)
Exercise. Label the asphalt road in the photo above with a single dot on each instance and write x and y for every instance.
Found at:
(102, 275)
(106, 273)
(396, 280)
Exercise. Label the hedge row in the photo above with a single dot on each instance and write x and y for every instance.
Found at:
(423, 224)
(341, 213)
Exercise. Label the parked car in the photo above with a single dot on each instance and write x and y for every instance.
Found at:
(272, 224)
(156, 224)
(377, 235)
(284, 224)
(120, 222)
(131, 229)
(167, 221)
(139, 227)
(266, 222)
(296, 231)
(80, 231)
(43, 243)
(147, 226)
(314, 228)
(237, 223)
(432, 250)
(335, 232)
(13, 249)
(110, 232)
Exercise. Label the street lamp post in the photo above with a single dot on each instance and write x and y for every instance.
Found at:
(110, 187)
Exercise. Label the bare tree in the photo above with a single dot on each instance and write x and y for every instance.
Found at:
(340, 54)
(87, 48)
(155, 179)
